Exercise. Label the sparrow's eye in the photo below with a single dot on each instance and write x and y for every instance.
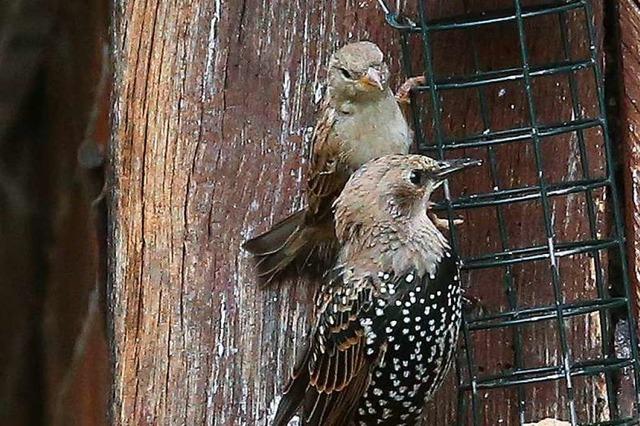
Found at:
(417, 177)
(346, 73)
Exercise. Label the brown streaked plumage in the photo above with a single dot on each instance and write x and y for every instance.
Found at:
(360, 120)
(388, 315)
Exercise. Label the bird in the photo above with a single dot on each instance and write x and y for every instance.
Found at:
(388, 315)
(360, 120)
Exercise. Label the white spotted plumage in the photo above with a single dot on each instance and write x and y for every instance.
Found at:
(388, 315)
(419, 358)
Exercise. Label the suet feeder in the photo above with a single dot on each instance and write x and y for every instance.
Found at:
(550, 169)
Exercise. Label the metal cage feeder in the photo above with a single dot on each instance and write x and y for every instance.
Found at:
(574, 372)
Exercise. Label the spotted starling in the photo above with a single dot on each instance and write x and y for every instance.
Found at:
(360, 120)
(389, 312)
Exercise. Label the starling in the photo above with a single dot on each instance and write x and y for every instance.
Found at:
(389, 312)
(360, 120)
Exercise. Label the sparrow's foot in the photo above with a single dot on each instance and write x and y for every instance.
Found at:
(402, 96)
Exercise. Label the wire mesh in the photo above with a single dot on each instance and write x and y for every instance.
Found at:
(609, 306)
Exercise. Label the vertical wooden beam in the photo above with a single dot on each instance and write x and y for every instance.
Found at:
(212, 108)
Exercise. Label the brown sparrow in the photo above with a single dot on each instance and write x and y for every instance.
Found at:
(360, 120)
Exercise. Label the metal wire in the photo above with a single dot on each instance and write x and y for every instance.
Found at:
(568, 369)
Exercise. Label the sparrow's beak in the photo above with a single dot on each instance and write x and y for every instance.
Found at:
(448, 167)
(372, 78)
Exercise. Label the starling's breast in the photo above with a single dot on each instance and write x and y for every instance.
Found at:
(418, 324)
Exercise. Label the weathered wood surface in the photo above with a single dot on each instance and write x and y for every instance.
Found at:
(212, 107)
(213, 101)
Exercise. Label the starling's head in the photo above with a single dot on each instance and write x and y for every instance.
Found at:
(358, 71)
(394, 188)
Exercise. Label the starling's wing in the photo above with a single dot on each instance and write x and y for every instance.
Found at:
(335, 370)
(327, 175)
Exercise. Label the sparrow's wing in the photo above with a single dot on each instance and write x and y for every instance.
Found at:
(327, 175)
(336, 367)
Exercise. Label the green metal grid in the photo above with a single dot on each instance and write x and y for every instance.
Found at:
(471, 382)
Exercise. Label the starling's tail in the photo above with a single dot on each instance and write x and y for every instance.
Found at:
(276, 249)
(294, 392)
(291, 400)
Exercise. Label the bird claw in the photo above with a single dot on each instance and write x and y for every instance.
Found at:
(403, 94)
(473, 305)
(458, 221)
(403, 99)
(443, 224)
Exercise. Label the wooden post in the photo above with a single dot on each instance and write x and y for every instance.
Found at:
(212, 108)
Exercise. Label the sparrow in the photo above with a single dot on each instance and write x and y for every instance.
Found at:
(360, 120)
(389, 313)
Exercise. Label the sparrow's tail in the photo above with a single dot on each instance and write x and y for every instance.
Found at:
(288, 241)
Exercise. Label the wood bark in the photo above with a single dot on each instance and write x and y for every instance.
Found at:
(212, 111)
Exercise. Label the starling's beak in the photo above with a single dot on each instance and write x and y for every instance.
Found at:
(372, 78)
(448, 167)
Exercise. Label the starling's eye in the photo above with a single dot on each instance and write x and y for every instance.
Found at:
(417, 177)
(346, 73)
